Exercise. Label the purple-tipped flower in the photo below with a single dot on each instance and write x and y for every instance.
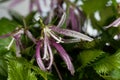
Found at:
(51, 37)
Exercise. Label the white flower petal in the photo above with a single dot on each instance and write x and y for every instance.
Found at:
(71, 33)
(62, 20)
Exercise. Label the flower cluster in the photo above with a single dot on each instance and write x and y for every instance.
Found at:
(51, 38)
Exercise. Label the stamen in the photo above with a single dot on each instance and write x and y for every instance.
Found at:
(8, 47)
(45, 46)
(62, 20)
(58, 39)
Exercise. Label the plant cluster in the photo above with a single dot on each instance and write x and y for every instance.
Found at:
(75, 40)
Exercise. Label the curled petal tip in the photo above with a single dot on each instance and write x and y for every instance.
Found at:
(64, 56)
(38, 57)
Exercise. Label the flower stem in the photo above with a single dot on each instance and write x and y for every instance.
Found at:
(58, 72)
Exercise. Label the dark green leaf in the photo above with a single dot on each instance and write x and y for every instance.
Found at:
(29, 18)
(16, 17)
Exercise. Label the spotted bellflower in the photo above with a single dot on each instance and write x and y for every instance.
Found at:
(50, 38)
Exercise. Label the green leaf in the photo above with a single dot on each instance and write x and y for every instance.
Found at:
(90, 6)
(3, 67)
(40, 72)
(17, 70)
(29, 18)
(108, 63)
(115, 74)
(6, 26)
(88, 56)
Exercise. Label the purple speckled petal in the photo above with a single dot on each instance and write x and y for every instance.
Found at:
(115, 23)
(73, 20)
(47, 49)
(51, 56)
(65, 57)
(71, 33)
(38, 57)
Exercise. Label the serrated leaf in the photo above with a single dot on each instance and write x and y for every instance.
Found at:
(3, 67)
(17, 70)
(88, 56)
(107, 64)
(115, 74)
(104, 66)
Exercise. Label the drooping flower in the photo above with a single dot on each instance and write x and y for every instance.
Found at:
(51, 38)
(16, 36)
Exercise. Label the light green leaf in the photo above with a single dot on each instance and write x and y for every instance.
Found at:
(17, 70)
(108, 64)
(6, 26)
(88, 56)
